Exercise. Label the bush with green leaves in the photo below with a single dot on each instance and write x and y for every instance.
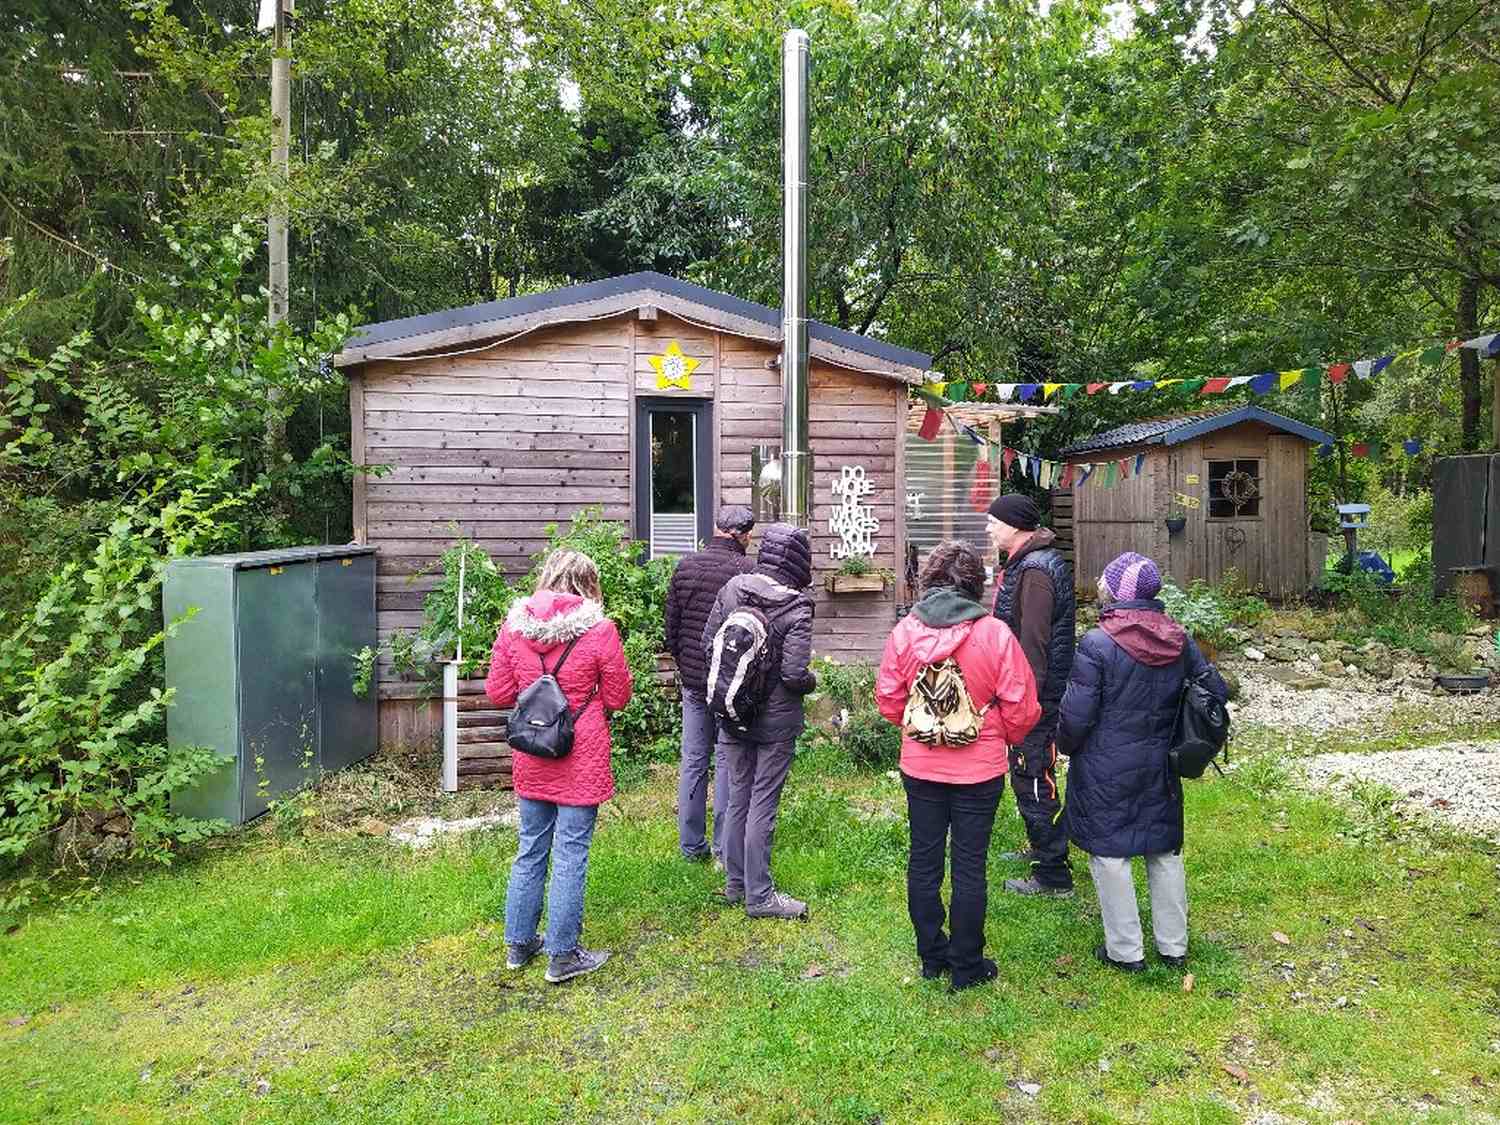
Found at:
(857, 727)
(635, 599)
(82, 712)
(1208, 612)
(1408, 615)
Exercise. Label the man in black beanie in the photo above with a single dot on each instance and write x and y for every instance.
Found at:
(1034, 596)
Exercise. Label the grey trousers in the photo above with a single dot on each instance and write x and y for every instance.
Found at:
(756, 775)
(1115, 883)
(699, 743)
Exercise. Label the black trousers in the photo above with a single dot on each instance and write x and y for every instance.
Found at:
(936, 811)
(1033, 777)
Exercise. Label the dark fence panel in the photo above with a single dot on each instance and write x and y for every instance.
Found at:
(1465, 514)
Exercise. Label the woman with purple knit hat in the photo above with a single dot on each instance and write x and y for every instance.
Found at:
(1116, 724)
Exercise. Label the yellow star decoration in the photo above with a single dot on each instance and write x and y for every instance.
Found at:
(673, 369)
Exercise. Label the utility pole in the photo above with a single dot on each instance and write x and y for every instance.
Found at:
(281, 138)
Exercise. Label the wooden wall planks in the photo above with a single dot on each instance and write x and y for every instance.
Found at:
(494, 445)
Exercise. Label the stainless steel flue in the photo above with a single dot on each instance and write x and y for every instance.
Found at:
(796, 459)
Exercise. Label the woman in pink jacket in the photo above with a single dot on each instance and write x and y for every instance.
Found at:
(559, 797)
(955, 789)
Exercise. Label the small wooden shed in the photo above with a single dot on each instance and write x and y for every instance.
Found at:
(642, 394)
(1237, 479)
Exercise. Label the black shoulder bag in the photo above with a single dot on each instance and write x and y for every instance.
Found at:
(542, 722)
(1202, 731)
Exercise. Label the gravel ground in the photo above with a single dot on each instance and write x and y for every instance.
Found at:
(1271, 703)
(1458, 782)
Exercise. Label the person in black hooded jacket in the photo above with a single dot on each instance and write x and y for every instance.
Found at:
(696, 584)
(759, 761)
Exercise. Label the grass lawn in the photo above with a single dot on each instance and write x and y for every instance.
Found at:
(316, 974)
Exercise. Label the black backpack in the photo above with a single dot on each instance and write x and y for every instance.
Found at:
(739, 658)
(541, 723)
(1201, 734)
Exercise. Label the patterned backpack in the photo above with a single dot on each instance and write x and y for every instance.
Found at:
(939, 711)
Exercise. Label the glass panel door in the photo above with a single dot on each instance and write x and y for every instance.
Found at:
(673, 474)
(674, 512)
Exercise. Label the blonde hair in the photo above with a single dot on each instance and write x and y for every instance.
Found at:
(570, 572)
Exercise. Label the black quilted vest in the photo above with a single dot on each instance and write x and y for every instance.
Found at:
(1064, 614)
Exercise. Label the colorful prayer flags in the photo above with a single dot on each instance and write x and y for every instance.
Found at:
(1360, 449)
(1338, 372)
(1216, 386)
(1095, 388)
(1027, 391)
(932, 422)
(1413, 446)
(1263, 384)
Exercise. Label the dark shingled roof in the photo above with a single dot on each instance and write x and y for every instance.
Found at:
(1186, 427)
(393, 331)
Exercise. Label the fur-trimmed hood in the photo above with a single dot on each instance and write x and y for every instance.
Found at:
(548, 618)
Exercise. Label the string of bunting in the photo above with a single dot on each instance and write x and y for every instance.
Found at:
(1046, 473)
(949, 391)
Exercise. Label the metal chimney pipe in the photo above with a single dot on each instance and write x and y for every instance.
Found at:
(796, 460)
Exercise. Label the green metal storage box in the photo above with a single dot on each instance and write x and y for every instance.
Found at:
(263, 671)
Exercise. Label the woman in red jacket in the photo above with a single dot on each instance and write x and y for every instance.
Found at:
(559, 797)
(955, 788)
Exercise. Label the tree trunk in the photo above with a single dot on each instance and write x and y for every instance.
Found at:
(1468, 360)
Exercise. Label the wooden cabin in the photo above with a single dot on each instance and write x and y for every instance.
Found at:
(641, 394)
(1237, 479)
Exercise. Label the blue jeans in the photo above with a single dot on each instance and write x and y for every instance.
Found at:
(700, 734)
(562, 832)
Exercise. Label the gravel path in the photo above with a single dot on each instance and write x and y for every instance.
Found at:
(1458, 782)
(1271, 703)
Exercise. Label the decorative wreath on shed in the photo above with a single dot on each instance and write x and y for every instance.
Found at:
(1239, 488)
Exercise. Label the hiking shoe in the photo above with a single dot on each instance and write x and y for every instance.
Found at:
(1029, 886)
(697, 857)
(778, 906)
(566, 966)
(1124, 966)
(932, 970)
(987, 972)
(731, 898)
(1025, 855)
(519, 954)
(1173, 961)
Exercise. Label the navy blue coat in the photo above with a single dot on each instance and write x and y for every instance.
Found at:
(1116, 723)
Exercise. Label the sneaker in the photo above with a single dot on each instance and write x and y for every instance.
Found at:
(1029, 886)
(778, 906)
(566, 966)
(519, 954)
(1025, 855)
(1102, 953)
(732, 898)
(697, 857)
(987, 972)
(1173, 962)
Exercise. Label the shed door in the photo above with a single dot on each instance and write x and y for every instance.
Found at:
(673, 474)
(1236, 537)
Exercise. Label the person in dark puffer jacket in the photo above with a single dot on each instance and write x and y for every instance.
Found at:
(1034, 596)
(1117, 721)
(696, 584)
(758, 763)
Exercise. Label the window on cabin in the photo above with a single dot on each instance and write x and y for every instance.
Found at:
(1233, 489)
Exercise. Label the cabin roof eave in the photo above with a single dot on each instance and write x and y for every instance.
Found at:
(479, 327)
